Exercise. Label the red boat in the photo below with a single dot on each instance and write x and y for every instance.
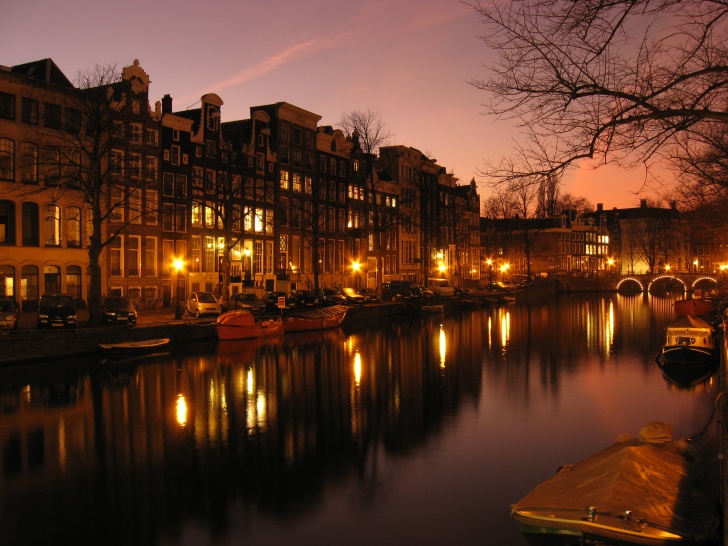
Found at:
(242, 324)
(697, 307)
(320, 318)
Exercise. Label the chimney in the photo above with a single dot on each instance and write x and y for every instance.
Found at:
(600, 207)
(643, 203)
(167, 104)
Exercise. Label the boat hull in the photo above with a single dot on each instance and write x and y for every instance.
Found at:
(314, 319)
(133, 348)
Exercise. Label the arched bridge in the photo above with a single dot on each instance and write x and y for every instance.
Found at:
(646, 283)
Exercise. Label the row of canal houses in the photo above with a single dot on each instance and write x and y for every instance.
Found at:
(272, 202)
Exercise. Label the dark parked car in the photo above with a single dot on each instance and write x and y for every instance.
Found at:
(353, 297)
(306, 298)
(395, 292)
(248, 301)
(271, 300)
(118, 310)
(56, 311)
(370, 294)
(9, 317)
(331, 296)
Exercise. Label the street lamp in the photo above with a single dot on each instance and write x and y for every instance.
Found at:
(504, 268)
(695, 265)
(355, 268)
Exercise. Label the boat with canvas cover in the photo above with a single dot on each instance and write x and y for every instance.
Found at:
(650, 490)
(319, 318)
(242, 324)
(126, 349)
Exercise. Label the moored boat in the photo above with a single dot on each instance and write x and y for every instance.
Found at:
(320, 318)
(126, 349)
(690, 341)
(706, 308)
(651, 490)
(242, 324)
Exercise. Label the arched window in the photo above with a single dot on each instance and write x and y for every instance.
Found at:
(73, 227)
(52, 225)
(7, 281)
(30, 234)
(29, 287)
(73, 281)
(7, 159)
(7, 223)
(52, 279)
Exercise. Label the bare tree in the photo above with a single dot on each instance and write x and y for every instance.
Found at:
(82, 158)
(618, 81)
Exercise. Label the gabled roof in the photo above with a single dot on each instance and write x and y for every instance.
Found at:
(44, 70)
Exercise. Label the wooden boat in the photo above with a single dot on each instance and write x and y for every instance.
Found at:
(690, 341)
(651, 490)
(132, 348)
(706, 308)
(242, 324)
(320, 318)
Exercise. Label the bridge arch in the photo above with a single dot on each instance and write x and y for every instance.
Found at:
(701, 279)
(626, 282)
(663, 277)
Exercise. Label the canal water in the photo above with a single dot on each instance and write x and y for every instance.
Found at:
(422, 430)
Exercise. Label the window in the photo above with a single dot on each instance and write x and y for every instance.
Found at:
(208, 254)
(259, 162)
(7, 223)
(7, 159)
(284, 180)
(73, 121)
(135, 206)
(28, 162)
(196, 217)
(332, 166)
(117, 162)
(117, 263)
(51, 166)
(175, 155)
(150, 257)
(151, 207)
(31, 236)
(151, 137)
(197, 179)
(135, 165)
(168, 217)
(118, 129)
(285, 154)
(296, 157)
(180, 186)
(285, 132)
(52, 115)
(117, 204)
(52, 225)
(322, 163)
(168, 184)
(29, 111)
(210, 180)
(135, 133)
(180, 218)
(150, 168)
(308, 139)
(211, 148)
(73, 227)
(342, 168)
(7, 106)
(296, 182)
(134, 253)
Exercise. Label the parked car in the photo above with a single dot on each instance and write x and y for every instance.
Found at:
(501, 286)
(56, 311)
(353, 297)
(248, 301)
(414, 290)
(118, 310)
(271, 300)
(306, 298)
(9, 314)
(440, 287)
(370, 295)
(331, 296)
(202, 303)
(395, 292)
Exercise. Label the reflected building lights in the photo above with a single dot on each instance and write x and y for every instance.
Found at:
(181, 410)
(357, 369)
(505, 329)
(443, 346)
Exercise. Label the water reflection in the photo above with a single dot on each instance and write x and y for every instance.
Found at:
(423, 431)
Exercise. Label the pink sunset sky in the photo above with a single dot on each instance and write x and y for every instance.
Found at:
(408, 60)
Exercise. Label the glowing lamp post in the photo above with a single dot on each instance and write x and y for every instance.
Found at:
(504, 269)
